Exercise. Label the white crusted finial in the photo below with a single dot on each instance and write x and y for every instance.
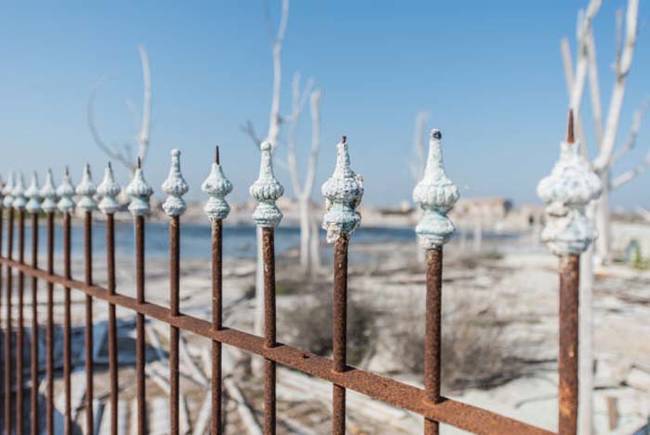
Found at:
(571, 185)
(34, 195)
(7, 191)
(86, 190)
(175, 187)
(435, 194)
(65, 192)
(343, 192)
(266, 190)
(108, 191)
(217, 186)
(19, 193)
(48, 193)
(139, 191)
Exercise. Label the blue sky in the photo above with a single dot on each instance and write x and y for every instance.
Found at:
(489, 73)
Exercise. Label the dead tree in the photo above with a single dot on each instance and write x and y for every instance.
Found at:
(605, 133)
(124, 153)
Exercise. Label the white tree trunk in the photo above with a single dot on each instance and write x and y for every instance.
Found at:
(603, 222)
(305, 234)
(315, 241)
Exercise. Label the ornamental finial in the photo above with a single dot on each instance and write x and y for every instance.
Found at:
(175, 187)
(7, 191)
(19, 193)
(86, 190)
(48, 193)
(65, 192)
(343, 192)
(108, 191)
(435, 194)
(217, 186)
(34, 195)
(266, 190)
(571, 185)
(139, 191)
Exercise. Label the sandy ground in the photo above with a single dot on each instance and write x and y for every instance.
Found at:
(518, 286)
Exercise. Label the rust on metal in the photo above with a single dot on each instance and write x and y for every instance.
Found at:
(432, 340)
(217, 319)
(140, 355)
(339, 330)
(268, 250)
(391, 391)
(34, 407)
(112, 324)
(67, 333)
(2, 362)
(49, 341)
(568, 359)
(174, 286)
(570, 134)
(88, 330)
(20, 340)
(9, 328)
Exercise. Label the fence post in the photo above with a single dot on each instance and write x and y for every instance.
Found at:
(48, 194)
(108, 190)
(266, 190)
(568, 232)
(34, 208)
(174, 206)
(343, 192)
(217, 186)
(435, 194)
(19, 204)
(66, 205)
(139, 191)
(86, 190)
(7, 202)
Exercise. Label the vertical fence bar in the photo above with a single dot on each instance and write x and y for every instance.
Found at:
(34, 208)
(139, 192)
(7, 203)
(217, 186)
(268, 248)
(343, 192)
(48, 193)
(339, 329)
(19, 205)
(568, 359)
(108, 191)
(570, 187)
(174, 206)
(266, 190)
(66, 205)
(3, 399)
(435, 195)
(86, 191)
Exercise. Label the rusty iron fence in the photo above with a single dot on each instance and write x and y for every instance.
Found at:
(343, 195)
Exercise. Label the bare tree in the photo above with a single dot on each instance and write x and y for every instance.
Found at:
(605, 134)
(124, 153)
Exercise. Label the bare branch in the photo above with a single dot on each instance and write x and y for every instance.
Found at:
(604, 159)
(633, 134)
(249, 129)
(630, 175)
(275, 118)
(418, 161)
(145, 129)
(594, 88)
(110, 151)
(312, 162)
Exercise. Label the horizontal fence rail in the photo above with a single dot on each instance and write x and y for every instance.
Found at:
(435, 195)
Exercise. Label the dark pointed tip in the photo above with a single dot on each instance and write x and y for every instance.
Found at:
(570, 135)
(217, 158)
(436, 134)
(67, 170)
(109, 165)
(139, 163)
(344, 139)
